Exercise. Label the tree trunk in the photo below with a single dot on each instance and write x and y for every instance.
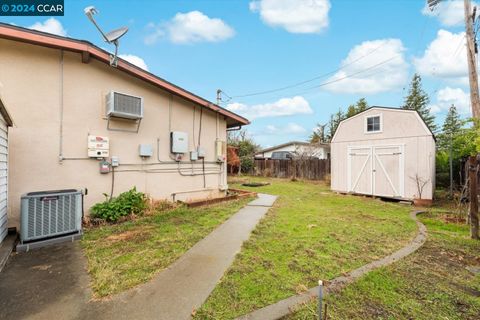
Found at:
(473, 212)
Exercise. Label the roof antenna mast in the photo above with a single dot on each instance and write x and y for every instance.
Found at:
(111, 37)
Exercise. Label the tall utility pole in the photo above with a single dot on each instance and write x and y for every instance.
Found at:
(472, 67)
(219, 96)
(475, 101)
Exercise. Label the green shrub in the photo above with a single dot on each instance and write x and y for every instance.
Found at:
(129, 202)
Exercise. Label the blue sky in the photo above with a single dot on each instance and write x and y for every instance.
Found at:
(365, 49)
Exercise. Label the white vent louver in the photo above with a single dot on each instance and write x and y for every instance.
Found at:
(50, 213)
(125, 106)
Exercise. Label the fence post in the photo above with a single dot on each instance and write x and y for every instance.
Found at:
(320, 298)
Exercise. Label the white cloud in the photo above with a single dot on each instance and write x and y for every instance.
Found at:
(50, 25)
(290, 128)
(449, 12)
(190, 27)
(371, 67)
(447, 96)
(136, 60)
(445, 56)
(282, 107)
(295, 16)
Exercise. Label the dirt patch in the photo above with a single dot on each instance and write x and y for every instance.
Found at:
(452, 218)
(468, 290)
(137, 235)
(255, 184)
(42, 267)
(373, 310)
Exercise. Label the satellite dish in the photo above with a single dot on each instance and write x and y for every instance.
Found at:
(432, 4)
(110, 37)
(116, 34)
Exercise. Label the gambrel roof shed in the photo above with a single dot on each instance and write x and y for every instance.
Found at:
(386, 152)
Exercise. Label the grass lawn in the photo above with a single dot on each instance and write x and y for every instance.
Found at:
(124, 255)
(310, 234)
(432, 283)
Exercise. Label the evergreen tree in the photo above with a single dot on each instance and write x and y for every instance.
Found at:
(361, 105)
(331, 128)
(451, 129)
(417, 99)
(335, 120)
(351, 111)
(453, 123)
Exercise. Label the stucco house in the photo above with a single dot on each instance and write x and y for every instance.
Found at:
(385, 152)
(296, 148)
(76, 117)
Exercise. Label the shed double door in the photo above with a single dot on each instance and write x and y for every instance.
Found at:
(377, 170)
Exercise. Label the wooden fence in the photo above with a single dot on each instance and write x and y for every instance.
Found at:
(310, 169)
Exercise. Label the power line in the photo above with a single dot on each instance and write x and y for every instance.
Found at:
(308, 80)
(355, 73)
(309, 90)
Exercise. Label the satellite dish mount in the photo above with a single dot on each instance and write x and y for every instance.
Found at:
(111, 37)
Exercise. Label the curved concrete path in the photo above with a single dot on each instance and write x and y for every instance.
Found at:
(284, 307)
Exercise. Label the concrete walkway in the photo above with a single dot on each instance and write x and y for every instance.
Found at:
(51, 283)
(286, 306)
(182, 288)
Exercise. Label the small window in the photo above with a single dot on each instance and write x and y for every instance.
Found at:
(373, 124)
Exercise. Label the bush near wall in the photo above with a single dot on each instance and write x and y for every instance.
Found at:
(127, 203)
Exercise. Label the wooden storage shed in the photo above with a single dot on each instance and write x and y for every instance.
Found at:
(5, 122)
(385, 152)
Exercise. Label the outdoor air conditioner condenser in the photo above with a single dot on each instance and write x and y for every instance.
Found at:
(49, 214)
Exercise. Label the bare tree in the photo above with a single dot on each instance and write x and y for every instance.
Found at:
(421, 183)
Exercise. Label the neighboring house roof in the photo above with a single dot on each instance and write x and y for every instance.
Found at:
(301, 143)
(89, 50)
(389, 108)
(5, 114)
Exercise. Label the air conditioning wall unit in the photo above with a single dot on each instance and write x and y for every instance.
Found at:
(124, 106)
(48, 214)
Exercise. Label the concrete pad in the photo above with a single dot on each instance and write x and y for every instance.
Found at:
(263, 200)
(48, 283)
(6, 248)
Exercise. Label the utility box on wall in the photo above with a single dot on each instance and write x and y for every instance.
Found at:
(221, 150)
(145, 150)
(98, 146)
(179, 142)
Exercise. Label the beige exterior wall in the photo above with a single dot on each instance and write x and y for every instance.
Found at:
(399, 128)
(35, 82)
